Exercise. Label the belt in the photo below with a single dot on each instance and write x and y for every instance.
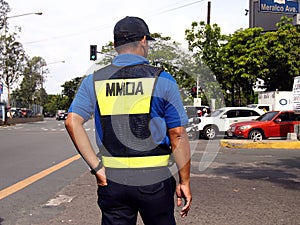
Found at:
(135, 162)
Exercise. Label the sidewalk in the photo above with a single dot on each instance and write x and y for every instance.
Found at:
(265, 144)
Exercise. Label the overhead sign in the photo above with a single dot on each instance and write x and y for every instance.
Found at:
(279, 6)
(296, 95)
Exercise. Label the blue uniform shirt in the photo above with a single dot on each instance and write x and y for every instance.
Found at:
(166, 110)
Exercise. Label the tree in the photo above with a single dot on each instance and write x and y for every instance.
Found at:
(4, 9)
(242, 62)
(69, 90)
(205, 41)
(12, 55)
(239, 59)
(56, 102)
(282, 51)
(12, 61)
(31, 89)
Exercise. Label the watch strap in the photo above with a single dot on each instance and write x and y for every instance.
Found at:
(97, 168)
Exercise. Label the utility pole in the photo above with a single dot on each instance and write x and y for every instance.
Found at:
(208, 11)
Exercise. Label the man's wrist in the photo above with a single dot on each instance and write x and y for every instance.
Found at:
(97, 168)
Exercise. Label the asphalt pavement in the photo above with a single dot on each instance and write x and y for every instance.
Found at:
(241, 187)
(219, 200)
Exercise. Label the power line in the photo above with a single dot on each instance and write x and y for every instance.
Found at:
(178, 7)
(108, 26)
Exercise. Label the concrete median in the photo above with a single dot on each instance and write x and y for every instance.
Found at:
(265, 144)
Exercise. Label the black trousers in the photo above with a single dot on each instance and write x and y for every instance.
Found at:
(120, 203)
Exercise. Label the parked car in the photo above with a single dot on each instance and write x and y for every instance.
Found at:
(264, 107)
(218, 121)
(271, 124)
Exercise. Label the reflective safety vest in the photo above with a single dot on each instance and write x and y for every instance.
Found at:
(124, 97)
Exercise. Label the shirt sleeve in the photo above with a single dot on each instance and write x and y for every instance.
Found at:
(174, 113)
(84, 101)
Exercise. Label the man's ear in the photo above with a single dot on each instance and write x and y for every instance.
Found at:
(144, 40)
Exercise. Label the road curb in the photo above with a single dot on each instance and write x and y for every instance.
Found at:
(269, 144)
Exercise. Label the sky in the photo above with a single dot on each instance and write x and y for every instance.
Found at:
(67, 28)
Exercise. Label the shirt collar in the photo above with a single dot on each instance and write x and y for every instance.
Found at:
(129, 60)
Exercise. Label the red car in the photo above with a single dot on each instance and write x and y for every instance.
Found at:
(270, 124)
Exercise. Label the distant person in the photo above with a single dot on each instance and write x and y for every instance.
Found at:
(204, 112)
(139, 121)
(199, 112)
(265, 110)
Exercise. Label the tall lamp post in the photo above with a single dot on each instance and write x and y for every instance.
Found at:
(5, 44)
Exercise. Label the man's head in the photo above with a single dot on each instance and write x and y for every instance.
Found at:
(130, 30)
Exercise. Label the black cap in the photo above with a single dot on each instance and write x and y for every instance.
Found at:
(130, 29)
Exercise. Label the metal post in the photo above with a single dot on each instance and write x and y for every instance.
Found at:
(208, 12)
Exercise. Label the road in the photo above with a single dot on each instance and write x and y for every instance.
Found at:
(230, 186)
(26, 150)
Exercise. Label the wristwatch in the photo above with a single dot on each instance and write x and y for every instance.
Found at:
(97, 168)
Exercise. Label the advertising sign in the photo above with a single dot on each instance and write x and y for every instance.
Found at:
(279, 6)
(296, 95)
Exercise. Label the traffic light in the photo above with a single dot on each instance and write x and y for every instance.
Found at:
(194, 92)
(93, 52)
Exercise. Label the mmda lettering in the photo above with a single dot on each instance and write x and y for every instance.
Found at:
(124, 88)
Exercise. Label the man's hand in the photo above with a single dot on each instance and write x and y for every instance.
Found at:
(183, 192)
(101, 177)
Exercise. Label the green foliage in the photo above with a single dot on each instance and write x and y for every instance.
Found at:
(4, 9)
(69, 90)
(282, 51)
(239, 59)
(12, 60)
(56, 102)
(31, 89)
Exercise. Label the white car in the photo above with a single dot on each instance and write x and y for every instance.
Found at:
(218, 121)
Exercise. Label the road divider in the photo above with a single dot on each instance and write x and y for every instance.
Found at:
(265, 144)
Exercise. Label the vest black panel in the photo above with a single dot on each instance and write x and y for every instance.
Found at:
(128, 135)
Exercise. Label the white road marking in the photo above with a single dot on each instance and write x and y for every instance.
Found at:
(59, 200)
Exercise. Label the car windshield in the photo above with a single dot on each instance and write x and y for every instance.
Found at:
(267, 116)
(251, 106)
(215, 113)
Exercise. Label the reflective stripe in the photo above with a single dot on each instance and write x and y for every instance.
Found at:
(135, 162)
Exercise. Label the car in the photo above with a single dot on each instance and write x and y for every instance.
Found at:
(218, 121)
(264, 107)
(271, 124)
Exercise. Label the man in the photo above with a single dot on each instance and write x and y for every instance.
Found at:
(139, 120)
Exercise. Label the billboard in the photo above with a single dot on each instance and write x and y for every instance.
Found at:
(262, 14)
(279, 6)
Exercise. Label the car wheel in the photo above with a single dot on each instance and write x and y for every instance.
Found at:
(210, 132)
(256, 135)
(194, 135)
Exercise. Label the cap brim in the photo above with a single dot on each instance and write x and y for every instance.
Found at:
(149, 38)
